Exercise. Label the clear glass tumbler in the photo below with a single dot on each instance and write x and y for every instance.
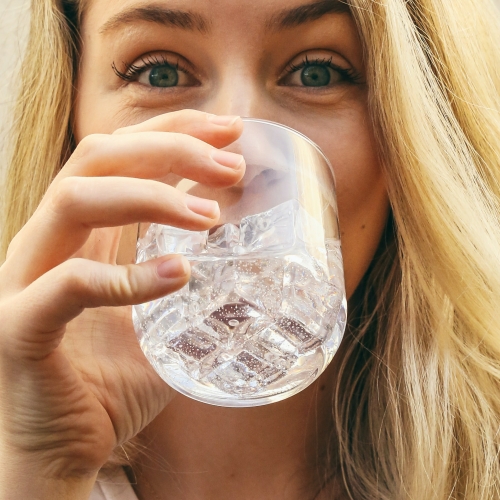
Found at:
(265, 309)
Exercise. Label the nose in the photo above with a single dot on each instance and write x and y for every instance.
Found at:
(238, 91)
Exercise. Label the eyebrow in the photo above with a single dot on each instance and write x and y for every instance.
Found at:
(159, 15)
(290, 18)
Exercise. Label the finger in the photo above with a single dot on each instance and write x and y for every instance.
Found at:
(82, 204)
(154, 155)
(219, 131)
(37, 316)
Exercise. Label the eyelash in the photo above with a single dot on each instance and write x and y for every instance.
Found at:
(349, 75)
(133, 71)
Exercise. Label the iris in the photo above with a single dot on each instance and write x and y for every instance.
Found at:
(163, 76)
(315, 76)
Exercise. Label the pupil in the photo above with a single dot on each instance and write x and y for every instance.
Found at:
(163, 76)
(315, 76)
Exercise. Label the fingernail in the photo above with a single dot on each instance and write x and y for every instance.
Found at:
(175, 267)
(224, 121)
(201, 206)
(227, 159)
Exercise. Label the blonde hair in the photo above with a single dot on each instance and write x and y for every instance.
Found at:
(417, 406)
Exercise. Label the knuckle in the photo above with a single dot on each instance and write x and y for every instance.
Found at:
(158, 192)
(124, 287)
(177, 120)
(73, 276)
(129, 281)
(97, 286)
(12, 245)
(173, 210)
(66, 195)
(116, 289)
(82, 278)
(86, 147)
(188, 116)
(154, 190)
(185, 143)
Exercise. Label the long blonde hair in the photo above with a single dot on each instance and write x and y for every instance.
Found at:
(417, 404)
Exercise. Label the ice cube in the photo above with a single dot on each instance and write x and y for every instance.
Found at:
(245, 374)
(264, 294)
(273, 230)
(193, 343)
(272, 337)
(172, 314)
(197, 351)
(224, 239)
(174, 240)
(147, 246)
(272, 353)
(157, 317)
(299, 276)
(212, 281)
(223, 277)
(307, 296)
(298, 334)
(266, 372)
(232, 320)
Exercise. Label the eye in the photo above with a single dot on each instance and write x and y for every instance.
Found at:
(317, 73)
(157, 71)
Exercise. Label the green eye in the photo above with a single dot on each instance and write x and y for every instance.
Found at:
(164, 76)
(315, 76)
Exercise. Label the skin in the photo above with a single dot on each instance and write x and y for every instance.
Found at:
(82, 385)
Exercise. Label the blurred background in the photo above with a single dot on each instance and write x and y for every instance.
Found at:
(14, 23)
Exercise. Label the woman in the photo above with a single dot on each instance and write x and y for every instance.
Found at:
(403, 98)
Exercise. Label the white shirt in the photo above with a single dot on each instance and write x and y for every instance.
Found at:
(113, 486)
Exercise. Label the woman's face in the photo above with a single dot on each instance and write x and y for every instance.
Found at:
(295, 62)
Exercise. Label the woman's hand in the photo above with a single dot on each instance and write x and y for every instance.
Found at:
(74, 383)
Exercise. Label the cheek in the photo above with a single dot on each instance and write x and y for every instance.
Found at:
(99, 108)
(361, 190)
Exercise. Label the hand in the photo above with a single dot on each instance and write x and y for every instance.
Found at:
(74, 383)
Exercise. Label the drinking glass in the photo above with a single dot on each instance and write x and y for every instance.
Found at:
(265, 309)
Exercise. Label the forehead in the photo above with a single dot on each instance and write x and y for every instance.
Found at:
(202, 15)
